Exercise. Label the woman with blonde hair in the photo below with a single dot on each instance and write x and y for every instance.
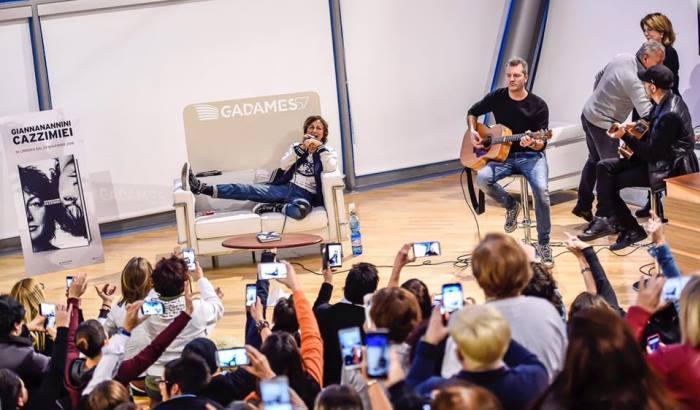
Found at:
(29, 292)
(135, 285)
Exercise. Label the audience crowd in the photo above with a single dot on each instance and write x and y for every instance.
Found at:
(521, 349)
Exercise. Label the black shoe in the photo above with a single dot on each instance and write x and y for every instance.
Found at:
(190, 182)
(266, 208)
(598, 228)
(583, 213)
(512, 218)
(629, 237)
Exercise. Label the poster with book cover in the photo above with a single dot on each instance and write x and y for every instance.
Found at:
(45, 161)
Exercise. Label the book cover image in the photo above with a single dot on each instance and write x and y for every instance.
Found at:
(54, 204)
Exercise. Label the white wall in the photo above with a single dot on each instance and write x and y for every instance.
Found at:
(18, 90)
(582, 36)
(128, 73)
(414, 67)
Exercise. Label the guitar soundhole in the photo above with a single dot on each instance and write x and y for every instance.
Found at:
(486, 142)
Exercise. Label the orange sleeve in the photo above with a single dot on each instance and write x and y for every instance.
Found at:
(311, 342)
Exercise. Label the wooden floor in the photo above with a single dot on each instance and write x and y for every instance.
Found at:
(431, 209)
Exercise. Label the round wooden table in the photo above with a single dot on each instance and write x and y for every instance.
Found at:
(289, 240)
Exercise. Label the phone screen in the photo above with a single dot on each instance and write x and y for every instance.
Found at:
(350, 341)
(272, 270)
(334, 255)
(653, 342)
(188, 255)
(233, 357)
(152, 307)
(69, 281)
(423, 249)
(275, 394)
(437, 302)
(251, 293)
(377, 354)
(452, 297)
(48, 310)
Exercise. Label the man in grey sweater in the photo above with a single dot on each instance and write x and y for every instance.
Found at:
(616, 92)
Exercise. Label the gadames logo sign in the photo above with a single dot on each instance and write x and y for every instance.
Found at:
(247, 133)
(211, 112)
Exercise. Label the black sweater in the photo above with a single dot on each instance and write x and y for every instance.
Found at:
(332, 318)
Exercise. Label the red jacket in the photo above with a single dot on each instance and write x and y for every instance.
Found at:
(678, 365)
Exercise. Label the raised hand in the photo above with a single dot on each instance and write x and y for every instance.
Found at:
(291, 281)
(77, 289)
(649, 295)
(132, 315)
(575, 245)
(189, 305)
(256, 310)
(437, 331)
(106, 293)
(198, 273)
(655, 227)
(63, 315)
(259, 366)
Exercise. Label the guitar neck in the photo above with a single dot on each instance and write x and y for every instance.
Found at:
(512, 138)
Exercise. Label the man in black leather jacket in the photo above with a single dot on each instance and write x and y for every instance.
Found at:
(665, 151)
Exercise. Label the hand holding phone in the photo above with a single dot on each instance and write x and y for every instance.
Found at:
(332, 255)
(69, 281)
(653, 343)
(48, 310)
(275, 393)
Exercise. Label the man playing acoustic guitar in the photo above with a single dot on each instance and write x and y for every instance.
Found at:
(521, 111)
(666, 151)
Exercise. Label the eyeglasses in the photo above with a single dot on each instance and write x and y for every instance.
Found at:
(160, 381)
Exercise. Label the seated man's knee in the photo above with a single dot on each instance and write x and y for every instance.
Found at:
(484, 177)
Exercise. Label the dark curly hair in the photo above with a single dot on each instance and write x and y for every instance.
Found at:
(11, 313)
(169, 276)
(422, 294)
(543, 285)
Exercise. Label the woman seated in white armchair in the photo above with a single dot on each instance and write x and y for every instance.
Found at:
(294, 188)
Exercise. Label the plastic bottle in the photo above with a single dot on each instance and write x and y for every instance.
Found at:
(355, 235)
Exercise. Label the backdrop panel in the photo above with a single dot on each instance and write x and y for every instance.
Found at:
(414, 67)
(130, 73)
(17, 86)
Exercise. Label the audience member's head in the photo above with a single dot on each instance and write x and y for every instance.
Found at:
(11, 316)
(338, 397)
(587, 300)
(169, 276)
(284, 316)
(500, 266)
(90, 338)
(361, 280)
(29, 292)
(605, 366)
(543, 285)
(397, 310)
(311, 120)
(651, 53)
(283, 353)
(464, 396)
(482, 336)
(186, 375)
(13, 394)
(205, 349)
(657, 26)
(422, 294)
(136, 280)
(109, 395)
(690, 313)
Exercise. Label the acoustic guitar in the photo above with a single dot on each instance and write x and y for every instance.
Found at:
(637, 130)
(497, 141)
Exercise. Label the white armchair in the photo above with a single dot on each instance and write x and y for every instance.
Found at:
(204, 222)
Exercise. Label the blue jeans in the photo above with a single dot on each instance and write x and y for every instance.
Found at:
(267, 193)
(533, 166)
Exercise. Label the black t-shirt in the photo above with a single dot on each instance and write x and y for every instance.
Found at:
(529, 114)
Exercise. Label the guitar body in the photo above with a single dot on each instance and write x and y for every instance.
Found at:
(477, 158)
